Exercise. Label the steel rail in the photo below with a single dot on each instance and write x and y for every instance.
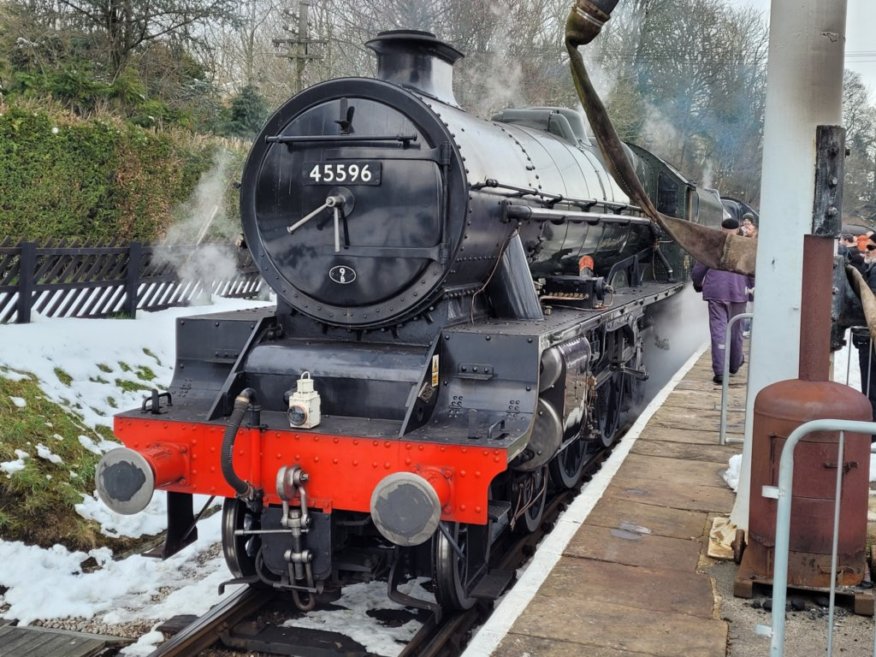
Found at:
(204, 631)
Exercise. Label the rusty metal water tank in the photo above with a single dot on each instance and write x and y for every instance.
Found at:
(778, 410)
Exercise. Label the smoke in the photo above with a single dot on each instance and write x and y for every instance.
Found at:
(204, 211)
(681, 326)
(708, 174)
(604, 80)
(659, 133)
(497, 74)
(201, 215)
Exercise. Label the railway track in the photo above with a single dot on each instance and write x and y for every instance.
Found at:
(438, 637)
(204, 631)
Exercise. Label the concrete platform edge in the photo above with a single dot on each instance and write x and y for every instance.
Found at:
(551, 549)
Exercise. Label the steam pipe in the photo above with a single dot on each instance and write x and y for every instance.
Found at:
(527, 213)
(511, 289)
(242, 403)
(586, 20)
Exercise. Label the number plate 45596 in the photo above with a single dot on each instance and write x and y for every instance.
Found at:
(349, 172)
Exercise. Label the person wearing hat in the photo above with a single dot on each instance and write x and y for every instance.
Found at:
(748, 227)
(726, 294)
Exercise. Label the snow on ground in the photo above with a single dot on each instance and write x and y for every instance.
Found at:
(352, 618)
(45, 584)
(96, 352)
(48, 584)
(10, 467)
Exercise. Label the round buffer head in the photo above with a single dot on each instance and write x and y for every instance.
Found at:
(125, 481)
(405, 508)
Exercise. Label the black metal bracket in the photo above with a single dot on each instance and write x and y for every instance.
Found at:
(830, 152)
(181, 526)
(392, 592)
(152, 404)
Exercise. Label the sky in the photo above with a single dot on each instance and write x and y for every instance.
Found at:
(45, 584)
(860, 42)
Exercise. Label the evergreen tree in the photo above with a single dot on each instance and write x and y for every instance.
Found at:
(247, 113)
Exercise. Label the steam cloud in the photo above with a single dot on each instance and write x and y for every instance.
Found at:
(681, 326)
(203, 214)
(497, 76)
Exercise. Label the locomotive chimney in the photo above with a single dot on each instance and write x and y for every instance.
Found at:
(416, 60)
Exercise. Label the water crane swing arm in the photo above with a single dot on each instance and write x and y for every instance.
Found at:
(712, 247)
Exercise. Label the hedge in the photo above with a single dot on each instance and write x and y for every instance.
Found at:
(97, 179)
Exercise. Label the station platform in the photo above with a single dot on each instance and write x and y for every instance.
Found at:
(625, 570)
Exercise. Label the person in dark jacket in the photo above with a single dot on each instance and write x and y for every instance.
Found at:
(726, 294)
(866, 264)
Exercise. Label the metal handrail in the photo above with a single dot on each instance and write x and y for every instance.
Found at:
(782, 493)
(865, 383)
(725, 382)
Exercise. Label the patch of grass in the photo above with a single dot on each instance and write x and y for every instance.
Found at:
(151, 354)
(12, 370)
(103, 367)
(98, 379)
(124, 366)
(111, 402)
(63, 376)
(131, 386)
(145, 373)
(36, 503)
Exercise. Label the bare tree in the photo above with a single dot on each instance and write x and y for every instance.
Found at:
(125, 25)
(690, 85)
(859, 118)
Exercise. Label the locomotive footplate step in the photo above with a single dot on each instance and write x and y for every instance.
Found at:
(291, 641)
(28, 641)
(493, 584)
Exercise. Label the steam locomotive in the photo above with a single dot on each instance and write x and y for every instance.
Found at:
(462, 307)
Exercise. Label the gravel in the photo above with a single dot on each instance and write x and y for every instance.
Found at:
(805, 624)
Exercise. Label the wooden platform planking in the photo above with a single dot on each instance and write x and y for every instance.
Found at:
(628, 583)
(41, 642)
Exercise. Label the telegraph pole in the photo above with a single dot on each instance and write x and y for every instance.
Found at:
(298, 49)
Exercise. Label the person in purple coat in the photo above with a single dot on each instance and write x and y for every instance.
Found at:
(726, 294)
